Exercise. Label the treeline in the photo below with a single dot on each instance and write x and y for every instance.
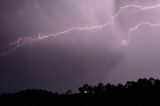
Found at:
(143, 92)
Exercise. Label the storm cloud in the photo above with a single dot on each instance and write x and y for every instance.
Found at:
(79, 56)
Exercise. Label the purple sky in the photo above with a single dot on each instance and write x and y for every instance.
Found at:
(78, 56)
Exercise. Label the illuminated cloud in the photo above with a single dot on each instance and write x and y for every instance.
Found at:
(10, 48)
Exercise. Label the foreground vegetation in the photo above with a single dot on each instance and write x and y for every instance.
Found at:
(143, 92)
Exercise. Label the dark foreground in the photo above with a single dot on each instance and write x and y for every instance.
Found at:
(144, 92)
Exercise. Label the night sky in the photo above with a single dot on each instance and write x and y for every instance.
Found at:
(39, 50)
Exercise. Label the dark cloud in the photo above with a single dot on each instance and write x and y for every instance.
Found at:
(55, 65)
(88, 56)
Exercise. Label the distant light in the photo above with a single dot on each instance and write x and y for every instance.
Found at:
(85, 92)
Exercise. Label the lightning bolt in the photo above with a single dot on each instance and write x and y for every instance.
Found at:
(125, 42)
(12, 47)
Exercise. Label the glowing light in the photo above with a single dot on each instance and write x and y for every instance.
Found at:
(85, 92)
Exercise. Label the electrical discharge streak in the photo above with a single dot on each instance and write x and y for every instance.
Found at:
(12, 47)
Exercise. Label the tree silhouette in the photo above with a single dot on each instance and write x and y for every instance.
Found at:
(85, 89)
(143, 92)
